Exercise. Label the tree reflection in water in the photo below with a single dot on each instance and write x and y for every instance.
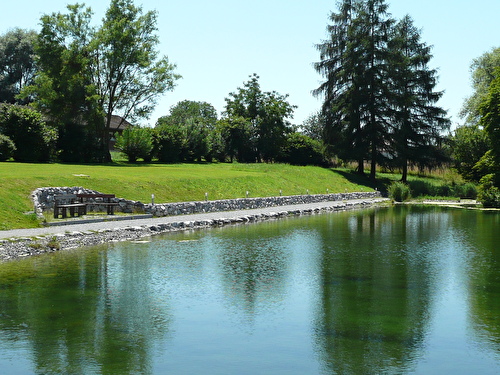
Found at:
(81, 313)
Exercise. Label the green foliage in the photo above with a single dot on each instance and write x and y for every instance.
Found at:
(490, 120)
(33, 138)
(469, 144)
(417, 122)
(238, 138)
(7, 148)
(266, 112)
(195, 123)
(299, 149)
(136, 143)
(399, 191)
(314, 126)
(169, 142)
(378, 94)
(88, 73)
(467, 190)
(483, 73)
(54, 244)
(489, 194)
(17, 64)
(423, 188)
(127, 72)
(63, 88)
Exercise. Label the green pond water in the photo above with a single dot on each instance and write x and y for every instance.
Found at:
(398, 290)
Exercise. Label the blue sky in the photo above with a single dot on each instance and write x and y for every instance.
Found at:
(217, 44)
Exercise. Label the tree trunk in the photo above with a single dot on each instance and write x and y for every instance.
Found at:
(404, 177)
(361, 167)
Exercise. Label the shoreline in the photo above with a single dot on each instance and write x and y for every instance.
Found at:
(20, 243)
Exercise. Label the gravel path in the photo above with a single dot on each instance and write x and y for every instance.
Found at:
(34, 241)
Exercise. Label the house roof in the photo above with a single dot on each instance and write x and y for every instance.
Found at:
(119, 123)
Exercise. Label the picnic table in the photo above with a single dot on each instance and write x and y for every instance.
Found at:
(98, 200)
(68, 202)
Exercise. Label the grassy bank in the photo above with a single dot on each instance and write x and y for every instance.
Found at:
(187, 182)
(169, 183)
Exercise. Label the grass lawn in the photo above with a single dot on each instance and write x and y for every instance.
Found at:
(169, 183)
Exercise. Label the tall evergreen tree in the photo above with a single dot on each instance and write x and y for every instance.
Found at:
(417, 122)
(378, 92)
(340, 54)
(354, 63)
(374, 27)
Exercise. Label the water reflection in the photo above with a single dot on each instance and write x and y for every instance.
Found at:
(400, 290)
(253, 271)
(88, 313)
(484, 282)
(375, 305)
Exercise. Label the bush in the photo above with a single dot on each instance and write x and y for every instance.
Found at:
(399, 191)
(489, 194)
(34, 140)
(299, 149)
(135, 143)
(7, 148)
(422, 188)
(169, 143)
(467, 190)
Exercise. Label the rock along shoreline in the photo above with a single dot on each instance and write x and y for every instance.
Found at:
(47, 240)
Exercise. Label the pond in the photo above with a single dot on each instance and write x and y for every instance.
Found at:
(394, 290)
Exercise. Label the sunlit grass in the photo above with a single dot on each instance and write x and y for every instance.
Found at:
(169, 183)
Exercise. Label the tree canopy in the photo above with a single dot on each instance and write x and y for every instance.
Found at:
(17, 64)
(268, 114)
(87, 74)
(378, 93)
(482, 74)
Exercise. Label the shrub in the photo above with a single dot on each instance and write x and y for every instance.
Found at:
(135, 143)
(488, 193)
(399, 191)
(467, 190)
(34, 139)
(7, 148)
(422, 188)
(299, 149)
(170, 143)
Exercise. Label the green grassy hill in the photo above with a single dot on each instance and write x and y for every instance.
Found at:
(169, 183)
(190, 182)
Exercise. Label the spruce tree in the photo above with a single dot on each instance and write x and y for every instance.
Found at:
(339, 65)
(354, 64)
(374, 26)
(416, 121)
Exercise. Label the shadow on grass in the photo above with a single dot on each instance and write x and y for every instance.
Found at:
(380, 184)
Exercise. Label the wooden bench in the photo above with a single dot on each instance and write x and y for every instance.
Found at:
(99, 200)
(63, 203)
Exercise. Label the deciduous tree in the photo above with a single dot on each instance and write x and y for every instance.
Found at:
(17, 64)
(469, 144)
(34, 140)
(490, 120)
(267, 112)
(127, 72)
(482, 74)
(90, 73)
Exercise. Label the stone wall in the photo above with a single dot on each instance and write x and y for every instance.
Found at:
(43, 199)
(183, 208)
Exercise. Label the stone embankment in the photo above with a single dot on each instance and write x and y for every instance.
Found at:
(247, 212)
(43, 200)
